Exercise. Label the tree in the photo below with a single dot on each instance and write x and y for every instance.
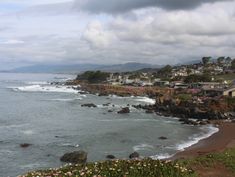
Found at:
(233, 64)
(228, 59)
(165, 70)
(206, 60)
(93, 76)
(220, 60)
(197, 78)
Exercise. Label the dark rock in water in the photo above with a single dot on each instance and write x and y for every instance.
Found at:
(106, 104)
(110, 157)
(203, 123)
(103, 94)
(124, 111)
(83, 92)
(90, 105)
(134, 155)
(110, 110)
(182, 119)
(25, 145)
(149, 111)
(162, 138)
(78, 157)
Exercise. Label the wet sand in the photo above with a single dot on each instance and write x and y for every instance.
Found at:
(223, 139)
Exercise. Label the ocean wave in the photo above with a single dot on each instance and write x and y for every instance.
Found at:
(161, 156)
(65, 99)
(45, 88)
(36, 83)
(13, 126)
(70, 145)
(209, 131)
(28, 132)
(146, 100)
(142, 147)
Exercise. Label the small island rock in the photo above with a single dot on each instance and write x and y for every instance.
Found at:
(134, 155)
(78, 157)
(124, 110)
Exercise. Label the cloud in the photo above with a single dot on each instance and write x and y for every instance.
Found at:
(120, 6)
(12, 41)
(58, 33)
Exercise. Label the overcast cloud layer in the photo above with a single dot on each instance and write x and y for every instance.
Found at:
(111, 31)
(119, 6)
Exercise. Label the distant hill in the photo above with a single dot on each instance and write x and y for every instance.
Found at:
(127, 67)
(55, 68)
(78, 68)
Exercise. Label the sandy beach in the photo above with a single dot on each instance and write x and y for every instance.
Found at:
(223, 139)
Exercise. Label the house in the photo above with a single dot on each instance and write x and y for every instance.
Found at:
(229, 92)
(209, 85)
(212, 92)
(161, 83)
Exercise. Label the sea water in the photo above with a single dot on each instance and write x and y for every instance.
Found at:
(51, 119)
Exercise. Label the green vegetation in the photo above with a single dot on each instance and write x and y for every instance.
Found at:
(120, 168)
(93, 76)
(146, 167)
(220, 60)
(233, 64)
(165, 71)
(206, 60)
(226, 158)
(184, 97)
(197, 78)
(223, 77)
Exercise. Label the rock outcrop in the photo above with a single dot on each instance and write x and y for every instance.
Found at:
(134, 155)
(90, 105)
(124, 110)
(77, 157)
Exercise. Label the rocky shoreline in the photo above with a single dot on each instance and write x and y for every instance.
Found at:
(167, 104)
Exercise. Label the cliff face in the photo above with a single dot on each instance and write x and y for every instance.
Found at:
(169, 101)
(209, 109)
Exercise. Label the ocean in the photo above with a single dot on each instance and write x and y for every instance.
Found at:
(51, 119)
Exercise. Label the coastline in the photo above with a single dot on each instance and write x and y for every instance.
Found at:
(218, 142)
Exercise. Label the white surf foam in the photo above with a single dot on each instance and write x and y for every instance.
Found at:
(65, 99)
(142, 147)
(161, 156)
(210, 130)
(45, 88)
(71, 145)
(28, 132)
(37, 83)
(146, 100)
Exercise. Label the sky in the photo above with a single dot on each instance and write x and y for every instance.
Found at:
(114, 31)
